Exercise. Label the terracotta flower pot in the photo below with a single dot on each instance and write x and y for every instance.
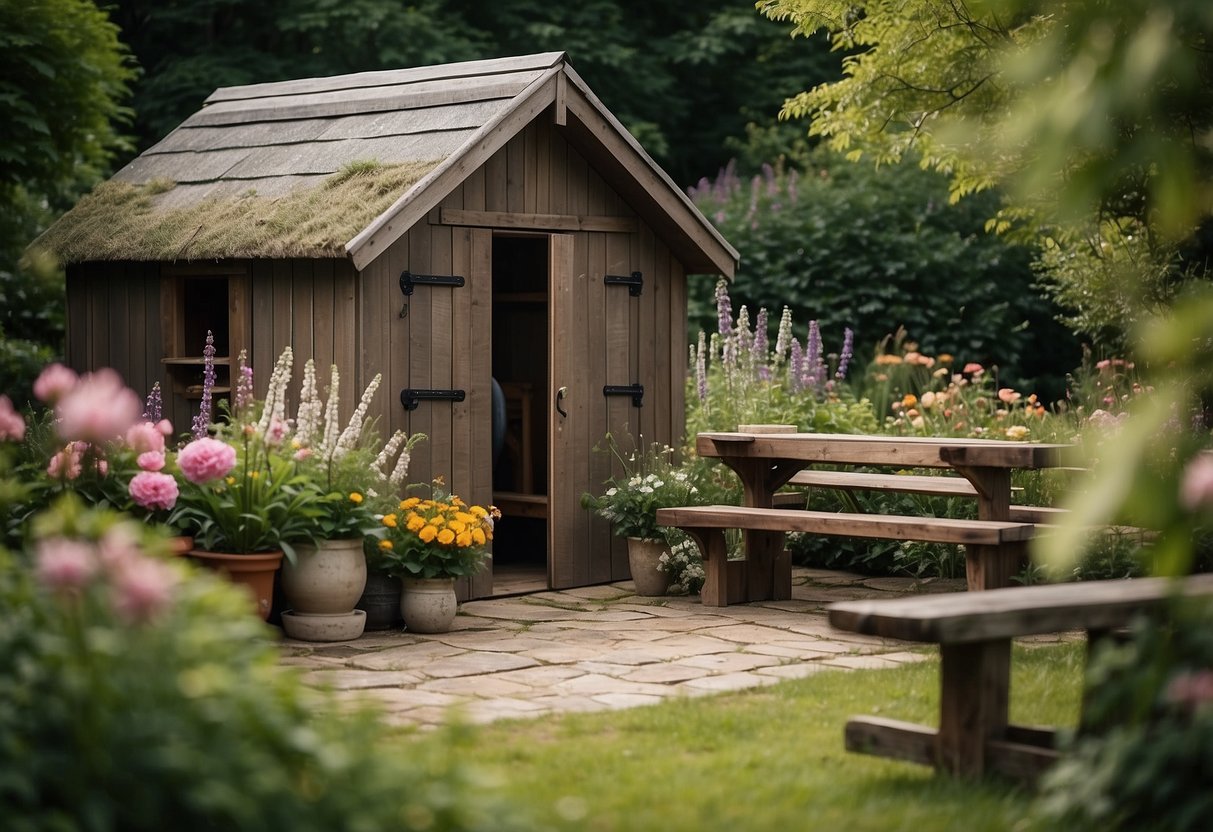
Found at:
(254, 572)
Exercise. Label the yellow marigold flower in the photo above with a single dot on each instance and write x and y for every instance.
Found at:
(465, 517)
(415, 523)
(478, 536)
(411, 502)
(463, 540)
(385, 544)
(455, 501)
(355, 497)
(427, 533)
(389, 520)
(909, 400)
(457, 526)
(436, 520)
(479, 511)
(445, 537)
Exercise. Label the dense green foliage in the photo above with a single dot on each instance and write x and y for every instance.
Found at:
(63, 77)
(850, 245)
(1146, 759)
(1107, 97)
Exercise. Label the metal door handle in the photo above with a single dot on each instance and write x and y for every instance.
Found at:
(559, 398)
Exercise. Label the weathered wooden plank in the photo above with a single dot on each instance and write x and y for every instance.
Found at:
(677, 342)
(537, 222)
(307, 308)
(371, 100)
(891, 738)
(898, 452)
(118, 321)
(473, 192)
(662, 347)
(313, 159)
(372, 353)
(77, 324)
(568, 564)
(597, 413)
(530, 168)
(261, 348)
(903, 483)
(283, 328)
(421, 348)
(543, 170)
(974, 697)
(496, 183)
(647, 333)
(884, 526)
(153, 334)
(617, 344)
(390, 77)
(1012, 611)
(480, 365)
(397, 372)
(345, 325)
(516, 180)
(441, 359)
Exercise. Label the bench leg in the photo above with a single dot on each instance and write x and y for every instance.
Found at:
(974, 693)
(715, 554)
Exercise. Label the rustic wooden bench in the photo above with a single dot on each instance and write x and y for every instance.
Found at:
(932, 486)
(974, 633)
(993, 549)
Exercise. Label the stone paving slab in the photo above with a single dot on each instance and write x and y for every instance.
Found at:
(603, 647)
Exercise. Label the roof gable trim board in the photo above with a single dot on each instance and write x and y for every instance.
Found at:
(388, 78)
(428, 191)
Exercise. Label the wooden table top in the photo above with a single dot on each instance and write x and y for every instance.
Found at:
(905, 452)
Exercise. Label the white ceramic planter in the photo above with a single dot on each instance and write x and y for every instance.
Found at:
(428, 605)
(321, 588)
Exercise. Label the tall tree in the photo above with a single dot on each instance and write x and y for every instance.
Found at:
(63, 81)
(1095, 112)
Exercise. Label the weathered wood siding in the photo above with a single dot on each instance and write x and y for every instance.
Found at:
(115, 320)
(444, 341)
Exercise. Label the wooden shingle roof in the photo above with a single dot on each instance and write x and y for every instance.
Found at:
(256, 155)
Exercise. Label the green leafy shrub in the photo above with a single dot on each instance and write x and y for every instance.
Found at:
(1143, 756)
(880, 248)
(139, 695)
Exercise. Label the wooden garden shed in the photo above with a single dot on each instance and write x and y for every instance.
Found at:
(444, 226)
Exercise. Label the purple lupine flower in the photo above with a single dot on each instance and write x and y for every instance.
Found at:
(731, 181)
(760, 346)
(745, 338)
(203, 419)
(244, 384)
(795, 365)
(153, 409)
(701, 366)
(812, 359)
(724, 309)
(848, 350)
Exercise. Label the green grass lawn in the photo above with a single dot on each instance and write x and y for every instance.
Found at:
(766, 759)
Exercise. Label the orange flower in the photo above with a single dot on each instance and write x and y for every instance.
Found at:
(909, 400)
(415, 523)
(445, 537)
(478, 536)
(389, 520)
(427, 533)
(385, 544)
(463, 540)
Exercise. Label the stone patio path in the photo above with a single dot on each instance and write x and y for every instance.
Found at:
(603, 647)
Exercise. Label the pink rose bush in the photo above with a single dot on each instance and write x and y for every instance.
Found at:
(154, 491)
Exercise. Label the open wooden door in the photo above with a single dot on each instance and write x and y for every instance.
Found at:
(569, 396)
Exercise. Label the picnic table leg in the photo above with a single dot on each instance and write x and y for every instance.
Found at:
(718, 590)
(992, 567)
(974, 694)
(767, 564)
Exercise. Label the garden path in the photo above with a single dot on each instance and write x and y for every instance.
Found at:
(603, 647)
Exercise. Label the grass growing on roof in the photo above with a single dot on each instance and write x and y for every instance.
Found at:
(765, 759)
(121, 221)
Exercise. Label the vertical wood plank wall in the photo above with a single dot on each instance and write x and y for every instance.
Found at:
(114, 320)
(621, 339)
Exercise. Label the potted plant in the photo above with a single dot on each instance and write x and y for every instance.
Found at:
(351, 468)
(242, 495)
(428, 544)
(650, 480)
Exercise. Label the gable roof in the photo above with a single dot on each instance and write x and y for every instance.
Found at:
(283, 169)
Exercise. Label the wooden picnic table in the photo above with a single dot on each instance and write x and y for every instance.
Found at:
(765, 462)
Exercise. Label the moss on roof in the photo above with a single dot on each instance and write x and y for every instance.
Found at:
(120, 221)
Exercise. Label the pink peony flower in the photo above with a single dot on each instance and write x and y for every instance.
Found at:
(141, 587)
(165, 427)
(98, 409)
(302, 454)
(65, 565)
(1196, 490)
(206, 459)
(145, 436)
(54, 382)
(150, 461)
(153, 490)
(12, 426)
